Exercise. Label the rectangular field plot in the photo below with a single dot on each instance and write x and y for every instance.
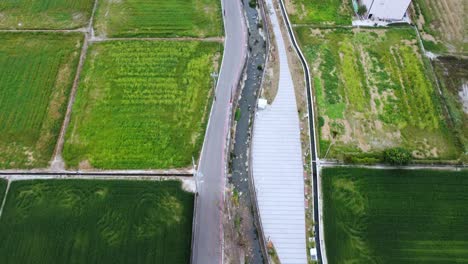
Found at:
(3, 185)
(442, 23)
(141, 105)
(44, 14)
(320, 12)
(92, 221)
(36, 74)
(374, 90)
(395, 216)
(168, 18)
(453, 78)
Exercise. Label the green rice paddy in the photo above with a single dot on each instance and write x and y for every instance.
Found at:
(36, 74)
(44, 14)
(141, 105)
(169, 18)
(92, 221)
(395, 216)
(3, 186)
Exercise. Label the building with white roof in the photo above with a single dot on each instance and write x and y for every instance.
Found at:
(392, 10)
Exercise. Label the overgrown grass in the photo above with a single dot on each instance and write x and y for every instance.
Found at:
(453, 74)
(395, 216)
(45, 14)
(169, 18)
(3, 186)
(141, 104)
(320, 12)
(84, 221)
(374, 91)
(36, 74)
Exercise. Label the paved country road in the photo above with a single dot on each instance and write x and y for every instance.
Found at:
(208, 233)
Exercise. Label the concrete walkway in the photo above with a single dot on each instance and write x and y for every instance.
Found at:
(277, 164)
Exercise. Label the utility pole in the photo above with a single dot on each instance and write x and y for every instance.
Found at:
(214, 75)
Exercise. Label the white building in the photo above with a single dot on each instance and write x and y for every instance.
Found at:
(393, 10)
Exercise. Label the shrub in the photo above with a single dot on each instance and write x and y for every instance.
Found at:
(397, 156)
(362, 9)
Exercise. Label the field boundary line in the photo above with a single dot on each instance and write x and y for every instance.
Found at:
(327, 164)
(5, 196)
(57, 162)
(79, 30)
(106, 39)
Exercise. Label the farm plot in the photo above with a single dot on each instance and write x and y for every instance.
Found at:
(320, 12)
(453, 78)
(373, 92)
(443, 24)
(141, 105)
(395, 216)
(44, 14)
(169, 18)
(92, 221)
(3, 185)
(36, 74)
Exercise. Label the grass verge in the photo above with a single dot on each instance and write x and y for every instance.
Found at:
(80, 221)
(141, 105)
(36, 75)
(395, 216)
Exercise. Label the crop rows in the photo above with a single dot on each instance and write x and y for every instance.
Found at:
(394, 216)
(194, 18)
(374, 91)
(141, 105)
(36, 72)
(83, 221)
(45, 14)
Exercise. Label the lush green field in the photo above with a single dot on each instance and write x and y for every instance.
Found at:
(3, 185)
(45, 14)
(320, 12)
(36, 74)
(442, 32)
(375, 91)
(169, 18)
(453, 74)
(395, 216)
(92, 221)
(141, 105)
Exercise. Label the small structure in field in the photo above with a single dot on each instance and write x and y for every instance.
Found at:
(388, 10)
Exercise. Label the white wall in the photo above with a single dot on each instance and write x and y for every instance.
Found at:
(387, 9)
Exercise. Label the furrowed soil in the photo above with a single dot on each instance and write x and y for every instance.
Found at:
(374, 91)
(168, 18)
(36, 74)
(395, 216)
(443, 24)
(141, 105)
(84, 221)
(320, 12)
(44, 14)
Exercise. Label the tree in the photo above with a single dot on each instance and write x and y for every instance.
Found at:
(397, 156)
(362, 10)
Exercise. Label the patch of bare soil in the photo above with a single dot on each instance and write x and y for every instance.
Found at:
(270, 82)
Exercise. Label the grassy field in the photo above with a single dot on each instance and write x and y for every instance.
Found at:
(453, 75)
(80, 221)
(3, 185)
(442, 23)
(374, 91)
(44, 14)
(36, 74)
(170, 18)
(320, 12)
(141, 105)
(395, 216)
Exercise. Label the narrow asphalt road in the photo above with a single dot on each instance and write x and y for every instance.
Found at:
(208, 233)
